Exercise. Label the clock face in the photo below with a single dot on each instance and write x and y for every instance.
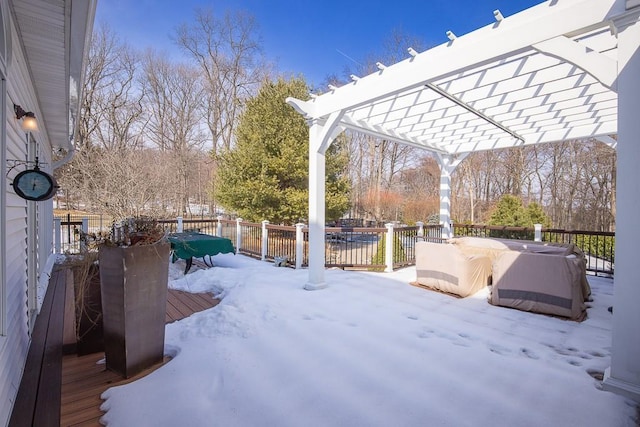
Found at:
(34, 184)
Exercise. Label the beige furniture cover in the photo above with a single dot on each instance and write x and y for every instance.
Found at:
(540, 282)
(445, 268)
(534, 276)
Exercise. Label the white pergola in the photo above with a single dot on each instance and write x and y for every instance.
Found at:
(564, 69)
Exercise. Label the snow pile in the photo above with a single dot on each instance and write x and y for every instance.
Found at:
(369, 350)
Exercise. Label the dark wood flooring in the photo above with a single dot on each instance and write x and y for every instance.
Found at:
(84, 378)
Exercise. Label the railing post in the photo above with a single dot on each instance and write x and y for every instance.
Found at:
(238, 235)
(538, 232)
(219, 227)
(265, 239)
(420, 225)
(85, 230)
(180, 226)
(57, 236)
(388, 250)
(299, 245)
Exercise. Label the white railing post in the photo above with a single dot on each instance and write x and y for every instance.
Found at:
(238, 235)
(85, 230)
(299, 245)
(265, 239)
(219, 227)
(420, 225)
(452, 230)
(180, 226)
(538, 232)
(388, 250)
(57, 235)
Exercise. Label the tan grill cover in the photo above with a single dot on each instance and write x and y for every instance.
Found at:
(445, 268)
(540, 282)
(532, 276)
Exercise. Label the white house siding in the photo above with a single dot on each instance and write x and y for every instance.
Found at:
(14, 344)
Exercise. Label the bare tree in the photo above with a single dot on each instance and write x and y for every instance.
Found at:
(110, 117)
(574, 181)
(228, 53)
(376, 165)
(113, 101)
(174, 95)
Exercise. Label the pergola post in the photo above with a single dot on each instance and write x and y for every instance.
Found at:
(623, 376)
(316, 209)
(448, 164)
(320, 137)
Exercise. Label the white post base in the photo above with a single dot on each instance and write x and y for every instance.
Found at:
(315, 286)
(624, 388)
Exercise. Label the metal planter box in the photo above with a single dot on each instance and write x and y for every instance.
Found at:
(134, 283)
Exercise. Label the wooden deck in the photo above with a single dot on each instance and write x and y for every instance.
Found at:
(84, 378)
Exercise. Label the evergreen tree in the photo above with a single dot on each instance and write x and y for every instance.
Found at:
(510, 212)
(380, 254)
(265, 176)
(537, 215)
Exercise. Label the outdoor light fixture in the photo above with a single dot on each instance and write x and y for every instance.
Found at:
(29, 122)
(412, 51)
(451, 36)
(498, 15)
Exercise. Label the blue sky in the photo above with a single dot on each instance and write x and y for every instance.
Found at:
(313, 39)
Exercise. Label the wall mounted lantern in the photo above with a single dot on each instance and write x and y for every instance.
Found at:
(29, 122)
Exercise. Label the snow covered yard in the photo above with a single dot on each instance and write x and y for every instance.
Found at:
(370, 350)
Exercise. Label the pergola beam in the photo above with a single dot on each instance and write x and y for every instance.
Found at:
(472, 110)
(602, 67)
(390, 135)
(514, 34)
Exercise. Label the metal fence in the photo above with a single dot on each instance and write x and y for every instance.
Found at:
(206, 226)
(345, 247)
(598, 246)
(67, 230)
(281, 244)
(251, 239)
(358, 247)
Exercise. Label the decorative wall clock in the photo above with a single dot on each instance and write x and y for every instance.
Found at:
(34, 184)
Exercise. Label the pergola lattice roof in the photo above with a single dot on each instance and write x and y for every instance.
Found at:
(545, 74)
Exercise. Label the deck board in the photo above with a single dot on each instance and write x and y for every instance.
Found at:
(84, 379)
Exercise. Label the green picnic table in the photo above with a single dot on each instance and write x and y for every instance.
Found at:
(189, 245)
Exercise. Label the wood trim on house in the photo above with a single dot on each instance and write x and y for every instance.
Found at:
(39, 396)
(65, 390)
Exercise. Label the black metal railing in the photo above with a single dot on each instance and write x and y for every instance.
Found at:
(251, 239)
(357, 247)
(353, 247)
(71, 225)
(598, 246)
(281, 243)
